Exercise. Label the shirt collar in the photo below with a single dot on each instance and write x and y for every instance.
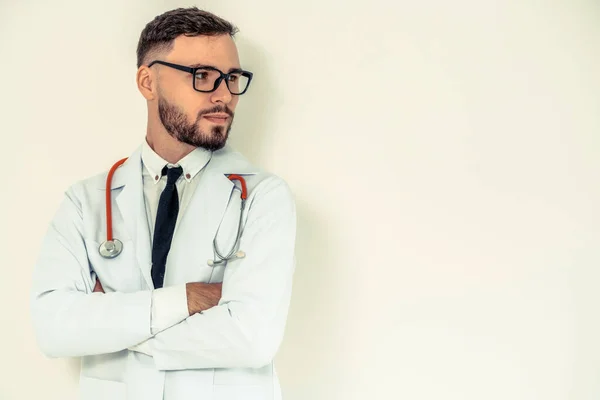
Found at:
(191, 163)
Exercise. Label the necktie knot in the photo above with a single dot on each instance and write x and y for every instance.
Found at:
(172, 174)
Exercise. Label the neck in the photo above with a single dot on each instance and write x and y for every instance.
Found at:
(166, 146)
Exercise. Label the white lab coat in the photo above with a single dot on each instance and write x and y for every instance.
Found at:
(224, 353)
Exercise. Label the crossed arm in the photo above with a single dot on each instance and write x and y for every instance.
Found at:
(200, 296)
(234, 325)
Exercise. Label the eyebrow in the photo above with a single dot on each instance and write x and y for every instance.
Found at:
(212, 66)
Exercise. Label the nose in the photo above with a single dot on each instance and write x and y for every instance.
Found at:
(222, 93)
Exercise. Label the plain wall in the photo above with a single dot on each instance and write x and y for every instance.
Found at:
(444, 159)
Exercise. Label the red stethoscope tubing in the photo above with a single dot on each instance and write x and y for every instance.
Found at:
(242, 181)
(111, 172)
(109, 232)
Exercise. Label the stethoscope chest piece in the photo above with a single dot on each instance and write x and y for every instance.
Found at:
(111, 248)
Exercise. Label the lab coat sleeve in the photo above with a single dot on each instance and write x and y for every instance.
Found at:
(69, 320)
(169, 307)
(246, 328)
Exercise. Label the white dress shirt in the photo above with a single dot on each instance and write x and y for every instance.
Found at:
(169, 304)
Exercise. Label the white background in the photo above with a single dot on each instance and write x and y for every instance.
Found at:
(444, 158)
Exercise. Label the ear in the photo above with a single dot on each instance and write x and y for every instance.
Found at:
(145, 83)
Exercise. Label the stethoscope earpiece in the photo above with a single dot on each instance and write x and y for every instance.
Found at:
(239, 254)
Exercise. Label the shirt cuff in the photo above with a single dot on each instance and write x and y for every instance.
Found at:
(169, 307)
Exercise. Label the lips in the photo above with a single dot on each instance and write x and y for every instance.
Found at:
(216, 118)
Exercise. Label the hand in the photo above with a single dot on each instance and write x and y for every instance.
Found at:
(98, 287)
(202, 296)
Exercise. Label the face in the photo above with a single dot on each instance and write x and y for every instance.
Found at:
(192, 117)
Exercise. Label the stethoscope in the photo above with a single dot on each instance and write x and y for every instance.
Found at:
(112, 247)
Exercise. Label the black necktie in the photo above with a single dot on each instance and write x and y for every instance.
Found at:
(168, 208)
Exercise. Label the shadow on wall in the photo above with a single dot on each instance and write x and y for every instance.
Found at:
(253, 124)
(312, 347)
(311, 343)
(73, 368)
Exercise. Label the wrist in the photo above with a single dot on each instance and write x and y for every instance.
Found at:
(190, 293)
(202, 296)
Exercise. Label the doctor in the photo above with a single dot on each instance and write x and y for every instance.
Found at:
(157, 322)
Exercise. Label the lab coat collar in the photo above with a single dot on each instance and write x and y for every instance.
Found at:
(229, 161)
(191, 163)
(225, 161)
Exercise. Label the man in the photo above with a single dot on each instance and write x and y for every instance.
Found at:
(164, 317)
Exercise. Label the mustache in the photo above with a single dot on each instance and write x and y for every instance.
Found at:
(215, 109)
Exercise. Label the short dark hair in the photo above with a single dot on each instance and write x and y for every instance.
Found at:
(163, 29)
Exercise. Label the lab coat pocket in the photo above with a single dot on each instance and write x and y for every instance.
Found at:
(101, 389)
(244, 376)
(119, 274)
(242, 392)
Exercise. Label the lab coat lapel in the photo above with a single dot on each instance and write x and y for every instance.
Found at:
(133, 211)
(211, 197)
(205, 210)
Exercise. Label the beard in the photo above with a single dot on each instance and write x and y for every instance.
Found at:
(176, 124)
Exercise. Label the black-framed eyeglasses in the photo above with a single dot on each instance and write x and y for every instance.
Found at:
(207, 79)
